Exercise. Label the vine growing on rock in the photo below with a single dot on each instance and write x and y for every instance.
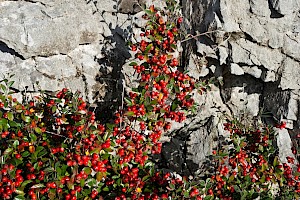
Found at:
(52, 147)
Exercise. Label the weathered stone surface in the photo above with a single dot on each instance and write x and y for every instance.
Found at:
(236, 69)
(244, 51)
(56, 67)
(260, 8)
(285, 7)
(44, 31)
(253, 70)
(284, 144)
(291, 46)
(290, 75)
(106, 5)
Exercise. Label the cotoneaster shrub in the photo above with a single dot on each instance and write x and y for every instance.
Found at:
(52, 148)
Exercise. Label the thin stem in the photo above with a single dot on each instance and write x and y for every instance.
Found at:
(197, 35)
(58, 135)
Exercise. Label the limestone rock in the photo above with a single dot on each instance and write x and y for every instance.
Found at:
(106, 5)
(244, 51)
(44, 31)
(253, 70)
(56, 67)
(260, 8)
(290, 75)
(284, 144)
(285, 7)
(291, 46)
(236, 69)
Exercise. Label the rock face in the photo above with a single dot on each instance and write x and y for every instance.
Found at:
(253, 45)
(256, 50)
(63, 43)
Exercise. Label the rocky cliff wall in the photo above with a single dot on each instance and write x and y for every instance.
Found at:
(253, 45)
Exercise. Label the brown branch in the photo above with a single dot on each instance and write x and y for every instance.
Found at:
(197, 35)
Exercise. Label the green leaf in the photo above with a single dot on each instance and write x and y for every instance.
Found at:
(3, 122)
(53, 109)
(26, 118)
(25, 154)
(49, 169)
(58, 170)
(82, 182)
(147, 11)
(176, 87)
(33, 137)
(87, 170)
(262, 179)
(110, 126)
(40, 185)
(16, 143)
(130, 113)
(173, 46)
(19, 197)
(275, 162)
(38, 130)
(3, 88)
(10, 116)
(14, 124)
(209, 198)
(128, 101)
(106, 189)
(236, 188)
(186, 194)
(231, 178)
(133, 64)
(8, 151)
(172, 186)
(20, 192)
(23, 185)
(174, 106)
(148, 48)
(10, 83)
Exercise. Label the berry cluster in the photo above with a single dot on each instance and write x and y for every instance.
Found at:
(248, 166)
(54, 148)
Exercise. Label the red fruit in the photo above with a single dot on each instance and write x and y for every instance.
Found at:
(18, 156)
(121, 152)
(179, 20)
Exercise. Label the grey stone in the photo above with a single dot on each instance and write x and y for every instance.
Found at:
(44, 31)
(240, 101)
(285, 7)
(284, 144)
(56, 67)
(138, 20)
(106, 5)
(293, 109)
(234, 13)
(129, 6)
(260, 8)
(7, 62)
(111, 19)
(252, 70)
(255, 29)
(197, 66)
(223, 54)
(291, 46)
(290, 75)
(236, 69)
(205, 50)
(244, 51)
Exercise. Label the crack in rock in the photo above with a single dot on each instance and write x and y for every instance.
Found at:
(5, 49)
